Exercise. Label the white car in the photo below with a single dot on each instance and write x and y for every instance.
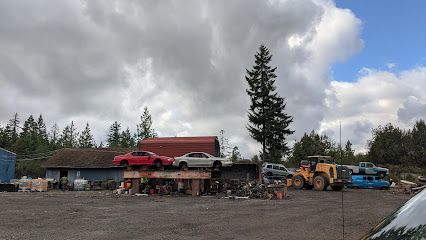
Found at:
(200, 159)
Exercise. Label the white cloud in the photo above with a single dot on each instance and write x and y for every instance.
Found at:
(376, 98)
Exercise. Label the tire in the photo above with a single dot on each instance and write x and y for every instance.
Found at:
(319, 183)
(337, 188)
(217, 165)
(158, 163)
(269, 174)
(350, 172)
(183, 166)
(124, 163)
(381, 175)
(298, 182)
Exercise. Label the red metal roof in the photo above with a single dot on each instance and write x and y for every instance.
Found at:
(178, 146)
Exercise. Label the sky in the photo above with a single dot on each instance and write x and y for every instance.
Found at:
(358, 63)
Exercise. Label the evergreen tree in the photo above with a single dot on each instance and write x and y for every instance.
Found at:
(86, 138)
(54, 136)
(235, 155)
(268, 122)
(11, 133)
(224, 146)
(416, 145)
(127, 141)
(69, 137)
(389, 145)
(101, 145)
(13, 129)
(312, 144)
(144, 128)
(114, 139)
(41, 130)
(3, 138)
(27, 142)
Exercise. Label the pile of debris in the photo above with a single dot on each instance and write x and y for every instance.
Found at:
(411, 187)
(254, 189)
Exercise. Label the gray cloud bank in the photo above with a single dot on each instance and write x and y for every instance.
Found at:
(101, 61)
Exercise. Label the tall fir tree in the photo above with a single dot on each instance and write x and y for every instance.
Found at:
(54, 136)
(27, 142)
(3, 138)
(127, 141)
(144, 128)
(114, 137)
(11, 132)
(268, 121)
(86, 138)
(41, 130)
(69, 136)
(235, 155)
(224, 147)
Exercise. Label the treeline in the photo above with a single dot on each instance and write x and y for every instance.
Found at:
(390, 145)
(33, 138)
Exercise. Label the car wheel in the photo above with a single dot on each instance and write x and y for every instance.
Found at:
(124, 163)
(381, 174)
(183, 166)
(217, 165)
(350, 172)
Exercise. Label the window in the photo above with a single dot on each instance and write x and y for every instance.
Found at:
(364, 178)
(370, 178)
(370, 165)
(204, 155)
(135, 153)
(276, 167)
(282, 168)
(362, 165)
(268, 166)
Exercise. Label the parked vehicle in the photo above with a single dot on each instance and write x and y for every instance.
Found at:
(142, 158)
(408, 222)
(200, 159)
(319, 172)
(367, 168)
(278, 170)
(365, 181)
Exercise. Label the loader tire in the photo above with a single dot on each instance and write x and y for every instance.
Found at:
(319, 183)
(298, 182)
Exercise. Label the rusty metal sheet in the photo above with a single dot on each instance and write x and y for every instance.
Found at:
(168, 174)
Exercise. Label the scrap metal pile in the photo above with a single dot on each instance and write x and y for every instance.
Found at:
(254, 189)
(411, 187)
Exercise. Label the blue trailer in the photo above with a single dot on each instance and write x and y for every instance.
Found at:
(368, 181)
(7, 165)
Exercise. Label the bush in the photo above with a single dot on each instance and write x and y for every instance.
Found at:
(30, 168)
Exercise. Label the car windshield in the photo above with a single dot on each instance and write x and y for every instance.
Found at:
(408, 222)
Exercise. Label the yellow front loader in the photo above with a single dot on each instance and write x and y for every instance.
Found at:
(319, 172)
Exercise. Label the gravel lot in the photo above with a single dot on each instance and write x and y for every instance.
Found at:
(305, 214)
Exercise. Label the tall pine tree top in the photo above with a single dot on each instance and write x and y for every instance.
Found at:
(268, 122)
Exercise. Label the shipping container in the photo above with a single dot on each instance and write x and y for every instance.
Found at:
(7, 165)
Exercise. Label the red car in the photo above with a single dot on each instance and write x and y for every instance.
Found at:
(142, 158)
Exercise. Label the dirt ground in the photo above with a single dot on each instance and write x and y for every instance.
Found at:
(305, 214)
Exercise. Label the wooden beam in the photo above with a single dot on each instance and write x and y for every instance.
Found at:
(168, 174)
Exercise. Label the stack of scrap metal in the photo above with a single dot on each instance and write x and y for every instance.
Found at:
(411, 187)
